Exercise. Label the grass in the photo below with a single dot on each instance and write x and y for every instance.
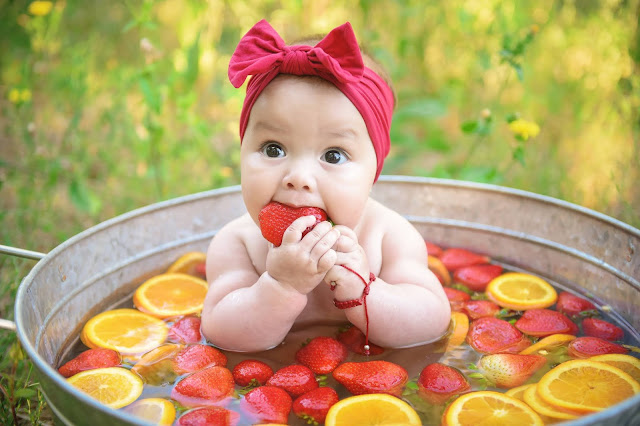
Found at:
(113, 106)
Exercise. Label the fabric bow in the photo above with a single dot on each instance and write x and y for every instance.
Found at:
(262, 50)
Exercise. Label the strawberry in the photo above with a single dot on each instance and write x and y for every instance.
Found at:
(480, 308)
(201, 270)
(314, 405)
(439, 270)
(545, 322)
(208, 386)
(603, 329)
(433, 249)
(295, 379)
(491, 335)
(90, 360)
(275, 218)
(267, 404)
(510, 370)
(371, 377)
(438, 382)
(322, 354)
(251, 369)
(196, 357)
(354, 340)
(587, 346)
(457, 298)
(185, 330)
(477, 277)
(209, 416)
(570, 304)
(455, 258)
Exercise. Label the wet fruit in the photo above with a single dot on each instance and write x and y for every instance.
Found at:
(171, 295)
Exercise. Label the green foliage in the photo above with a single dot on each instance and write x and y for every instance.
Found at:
(109, 106)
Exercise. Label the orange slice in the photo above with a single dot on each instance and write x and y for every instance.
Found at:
(518, 392)
(127, 331)
(547, 343)
(437, 267)
(460, 324)
(532, 398)
(158, 411)
(188, 263)
(487, 407)
(520, 291)
(372, 409)
(170, 295)
(156, 366)
(115, 387)
(626, 363)
(586, 386)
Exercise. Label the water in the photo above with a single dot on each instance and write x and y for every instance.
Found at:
(414, 359)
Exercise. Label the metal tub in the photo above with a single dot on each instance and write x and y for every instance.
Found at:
(573, 247)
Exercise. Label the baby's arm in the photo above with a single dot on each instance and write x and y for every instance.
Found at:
(248, 311)
(406, 304)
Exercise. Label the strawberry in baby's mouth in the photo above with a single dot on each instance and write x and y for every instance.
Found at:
(276, 217)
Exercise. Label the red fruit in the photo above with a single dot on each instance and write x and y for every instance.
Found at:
(314, 405)
(371, 377)
(251, 369)
(587, 346)
(295, 379)
(456, 298)
(208, 386)
(510, 370)
(491, 335)
(354, 340)
(209, 416)
(438, 382)
(545, 322)
(275, 218)
(480, 308)
(185, 330)
(433, 249)
(477, 277)
(455, 258)
(570, 304)
(201, 269)
(599, 328)
(322, 354)
(89, 360)
(196, 357)
(267, 404)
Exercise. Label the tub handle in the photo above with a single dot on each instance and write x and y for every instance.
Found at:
(18, 252)
(7, 325)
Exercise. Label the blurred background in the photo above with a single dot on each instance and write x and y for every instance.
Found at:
(108, 106)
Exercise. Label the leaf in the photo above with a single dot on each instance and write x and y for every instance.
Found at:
(518, 154)
(25, 393)
(422, 108)
(151, 96)
(469, 126)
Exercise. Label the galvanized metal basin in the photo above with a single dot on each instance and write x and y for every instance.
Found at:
(573, 247)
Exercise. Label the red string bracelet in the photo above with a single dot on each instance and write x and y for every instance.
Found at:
(357, 302)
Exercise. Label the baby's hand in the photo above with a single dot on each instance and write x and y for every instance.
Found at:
(302, 262)
(350, 254)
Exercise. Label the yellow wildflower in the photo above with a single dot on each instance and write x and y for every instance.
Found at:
(524, 129)
(14, 96)
(40, 8)
(25, 95)
(226, 171)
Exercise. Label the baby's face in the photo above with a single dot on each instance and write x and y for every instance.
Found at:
(307, 145)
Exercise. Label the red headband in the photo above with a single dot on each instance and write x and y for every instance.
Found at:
(263, 54)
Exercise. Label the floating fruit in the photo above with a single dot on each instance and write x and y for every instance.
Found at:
(477, 277)
(460, 328)
(437, 267)
(171, 295)
(314, 405)
(114, 387)
(542, 407)
(251, 369)
(572, 305)
(454, 258)
(267, 404)
(158, 411)
(587, 346)
(196, 357)
(127, 331)
(372, 377)
(586, 386)
(627, 363)
(191, 263)
(322, 354)
(510, 370)
(491, 335)
(520, 291)
(595, 327)
(186, 330)
(438, 383)
(487, 407)
(209, 386)
(209, 416)
(372, 410)
(295, 379)
(547, 343)
(89, 360)
(545, 322)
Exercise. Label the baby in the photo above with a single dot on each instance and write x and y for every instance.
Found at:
(315, 132)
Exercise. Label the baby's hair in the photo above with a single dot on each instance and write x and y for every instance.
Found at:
(369, 60)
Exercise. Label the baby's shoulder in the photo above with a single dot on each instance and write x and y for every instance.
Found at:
(241, 231)
(394, 229)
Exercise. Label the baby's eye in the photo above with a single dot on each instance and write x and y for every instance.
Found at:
(273, 150)
(335, 156)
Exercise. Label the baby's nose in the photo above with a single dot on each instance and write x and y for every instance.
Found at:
(300, 177)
